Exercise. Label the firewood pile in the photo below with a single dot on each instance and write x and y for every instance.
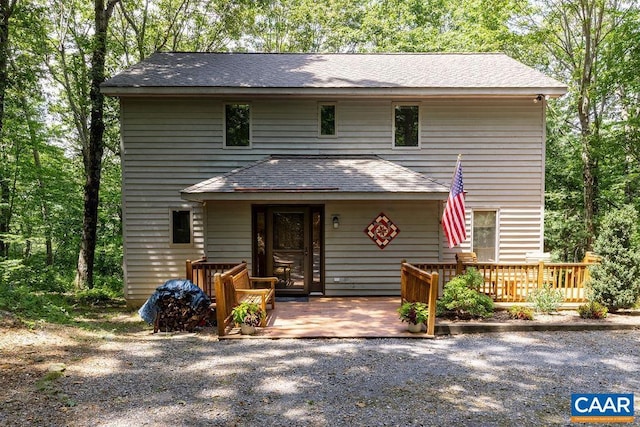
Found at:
(178, 305)
(175, 314)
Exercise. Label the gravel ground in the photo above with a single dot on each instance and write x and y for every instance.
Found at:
(140, 379)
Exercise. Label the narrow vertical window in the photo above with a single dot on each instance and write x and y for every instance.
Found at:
(406, 123)
(327, 120)
(237, 126)
(181, 227)
(485, 235)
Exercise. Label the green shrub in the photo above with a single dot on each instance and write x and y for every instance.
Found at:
(413, 312)
(593, 310)
(461, 297)
(615, 282)
(521, 313)
(546, 299)
(34, 275)
(248, 313)
(31, 307)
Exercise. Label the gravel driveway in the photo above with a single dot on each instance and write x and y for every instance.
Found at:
(504, 379)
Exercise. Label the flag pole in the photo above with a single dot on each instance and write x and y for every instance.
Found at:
(455, 170)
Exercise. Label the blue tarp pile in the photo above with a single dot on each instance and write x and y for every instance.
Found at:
(178, 289)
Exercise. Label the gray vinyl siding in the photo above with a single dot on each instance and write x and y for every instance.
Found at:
(354, 264)
(172, 143)
(163, 146)
(229, 231)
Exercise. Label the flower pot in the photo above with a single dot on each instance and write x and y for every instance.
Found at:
(247, 329)
(413, 328)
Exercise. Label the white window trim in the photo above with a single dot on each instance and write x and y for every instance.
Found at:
(497, 244)
(393, 124)
(335, 106)
(181, 245)
(224, 125)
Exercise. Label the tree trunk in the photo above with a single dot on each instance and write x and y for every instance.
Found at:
(6, 10)
(591, 21)
(590, 195)
(93, 151)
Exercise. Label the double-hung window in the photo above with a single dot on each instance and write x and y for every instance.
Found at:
(237, 125)
(406, 125)
(485, 235)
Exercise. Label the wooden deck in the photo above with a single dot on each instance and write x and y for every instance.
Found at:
(334, 317)
(376, 317)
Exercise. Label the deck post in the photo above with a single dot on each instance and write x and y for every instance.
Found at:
(459, 265)
(540, 274)
(221, 308)
(433, 296)
(189, 270)
(403, 282)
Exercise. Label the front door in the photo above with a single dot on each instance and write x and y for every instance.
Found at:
(288, 245)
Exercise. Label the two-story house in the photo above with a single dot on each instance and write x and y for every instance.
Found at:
(326, 170)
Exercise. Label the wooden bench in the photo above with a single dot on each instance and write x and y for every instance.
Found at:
(235, 286)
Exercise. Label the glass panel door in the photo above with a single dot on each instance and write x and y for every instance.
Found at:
(288, 251)
(287, 244)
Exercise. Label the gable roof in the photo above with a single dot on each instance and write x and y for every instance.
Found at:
(445, 74)
(335, 177)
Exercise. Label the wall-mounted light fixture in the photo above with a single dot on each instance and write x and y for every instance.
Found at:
(336, 221)
(539, 98)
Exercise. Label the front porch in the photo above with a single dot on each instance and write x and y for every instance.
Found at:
(373, 317)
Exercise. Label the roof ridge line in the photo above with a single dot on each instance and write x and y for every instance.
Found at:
(323, 156)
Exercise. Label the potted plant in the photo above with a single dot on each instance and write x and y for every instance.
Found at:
(415, 314)
(248, 315)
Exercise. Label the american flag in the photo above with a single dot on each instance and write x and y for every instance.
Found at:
(453, 217)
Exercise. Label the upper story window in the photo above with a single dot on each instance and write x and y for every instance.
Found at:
(237, 125)
(327, 119)
(406, 125)
(485, 235)
(181, 227)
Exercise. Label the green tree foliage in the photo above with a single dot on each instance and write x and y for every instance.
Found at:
(142, 27)
(440, 25)
(588, 45)
(615, 282)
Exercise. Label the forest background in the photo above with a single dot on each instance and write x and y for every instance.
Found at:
(60, 200)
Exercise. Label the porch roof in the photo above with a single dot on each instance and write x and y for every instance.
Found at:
(324, 176)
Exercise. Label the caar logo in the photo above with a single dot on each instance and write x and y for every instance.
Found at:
(602, 408)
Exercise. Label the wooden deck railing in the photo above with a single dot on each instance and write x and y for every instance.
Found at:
(417, 285)
(513, 282)
(201, 273)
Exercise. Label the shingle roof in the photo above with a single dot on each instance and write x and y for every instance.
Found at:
(318, 174)
(211, 72)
